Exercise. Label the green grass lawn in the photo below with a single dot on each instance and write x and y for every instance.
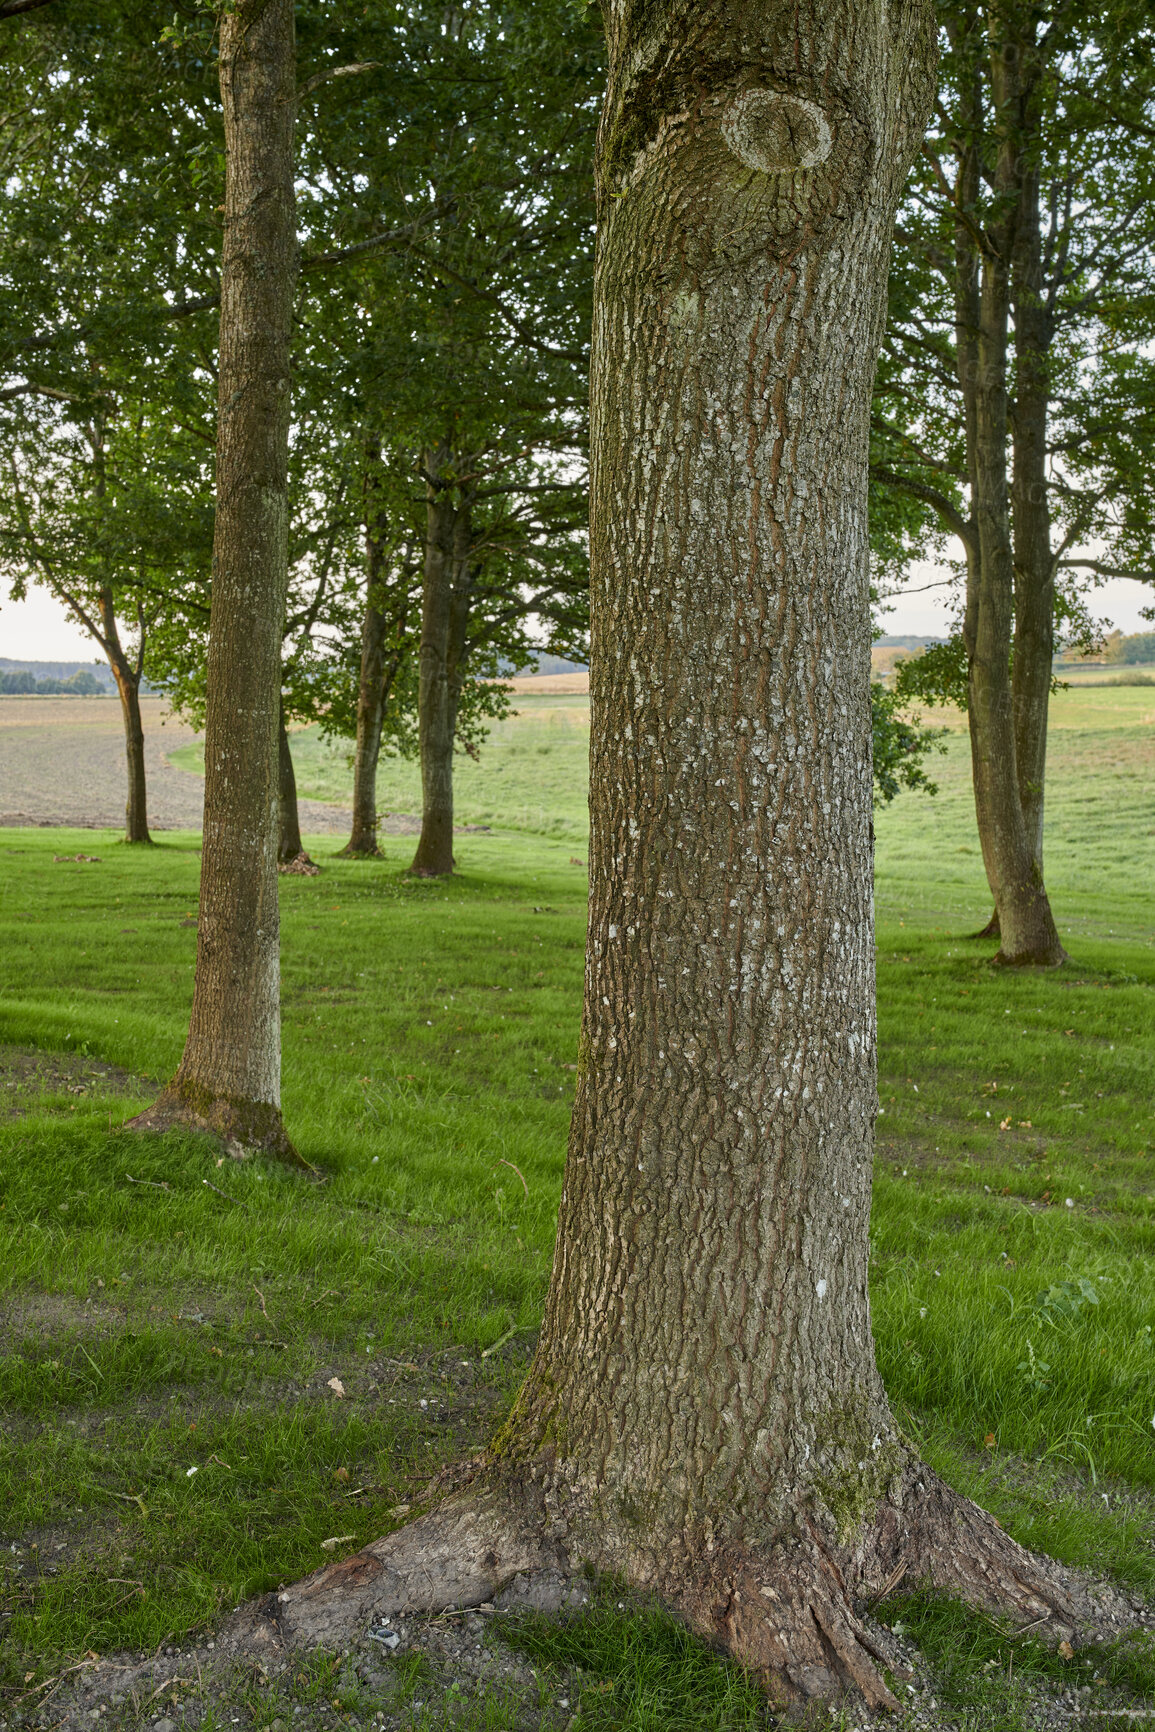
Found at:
(172, 1440)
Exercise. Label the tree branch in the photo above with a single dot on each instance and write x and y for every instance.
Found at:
(319, 78)
(1102, 569)
(951, 516)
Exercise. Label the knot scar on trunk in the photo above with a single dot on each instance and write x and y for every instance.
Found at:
(776, 134)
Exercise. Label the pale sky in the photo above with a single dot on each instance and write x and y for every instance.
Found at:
(40, 628)
(926, 612)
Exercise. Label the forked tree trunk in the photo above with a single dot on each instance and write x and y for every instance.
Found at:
(704, 1415)
(1027, 932)
(128, 688)
(435, 698)
(229, 1079)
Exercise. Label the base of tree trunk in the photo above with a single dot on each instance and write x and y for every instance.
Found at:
(1053, 956)
(299, 866)
(420, 870)
(795, 1612)
(244, 1127)
(990, 930)
(356, 849)
(144, 841)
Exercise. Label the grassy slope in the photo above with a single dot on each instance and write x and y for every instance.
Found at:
(427, 1031)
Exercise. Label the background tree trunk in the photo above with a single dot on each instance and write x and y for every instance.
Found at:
(229, 1077)
(289, 845)
(1034, 643)
(128, 688)
(1027, 933)
(435, 706)
(373, 687)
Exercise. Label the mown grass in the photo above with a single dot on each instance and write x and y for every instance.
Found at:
(531, 775)
(166, 1313)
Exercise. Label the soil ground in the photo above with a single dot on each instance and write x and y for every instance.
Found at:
(62, 763)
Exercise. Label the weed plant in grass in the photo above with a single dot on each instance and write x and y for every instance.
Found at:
(174, 1323)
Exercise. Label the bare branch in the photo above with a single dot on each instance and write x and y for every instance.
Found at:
(319, 78)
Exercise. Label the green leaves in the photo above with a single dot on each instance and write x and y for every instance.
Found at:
(1062, 1302)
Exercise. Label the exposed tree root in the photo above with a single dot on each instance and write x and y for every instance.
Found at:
(796, 1613)
(990, 930)
(244, 1128)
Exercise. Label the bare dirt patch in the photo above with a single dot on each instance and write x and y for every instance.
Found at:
(27, 1075)
(62, 764)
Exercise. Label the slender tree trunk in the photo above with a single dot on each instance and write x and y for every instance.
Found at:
(229, 1078)
(372, 690)
(435, 706)
(1027, 933)
(967, 320)
(289, 846)
(1034, 646)
(128, 687)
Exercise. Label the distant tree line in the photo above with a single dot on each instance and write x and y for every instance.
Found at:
(1137, 648)
(82, 684)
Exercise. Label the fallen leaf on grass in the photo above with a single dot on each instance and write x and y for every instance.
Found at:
(337, 1387)
(989, 1441)
(342, 1473)
(337, 1540)
(1066, 1650)
(1005, 1125)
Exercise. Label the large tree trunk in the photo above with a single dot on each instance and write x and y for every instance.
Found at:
(435, 699)
(704, 1415)
(229, 1078)
(128, 687)
(1027, 933)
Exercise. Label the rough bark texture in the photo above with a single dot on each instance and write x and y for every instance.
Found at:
(127, 679)
(229, 1077)
(444, 615)
(704, 1415)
